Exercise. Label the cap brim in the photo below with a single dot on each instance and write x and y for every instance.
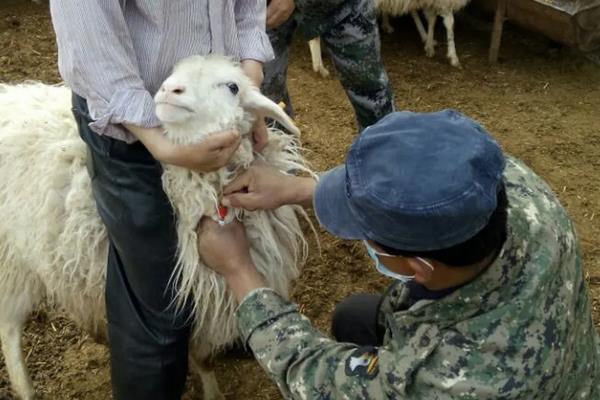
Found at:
(332, 206)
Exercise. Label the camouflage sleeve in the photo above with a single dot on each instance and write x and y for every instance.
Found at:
(307, 365)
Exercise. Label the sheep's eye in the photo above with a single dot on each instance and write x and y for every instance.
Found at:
(233, 88)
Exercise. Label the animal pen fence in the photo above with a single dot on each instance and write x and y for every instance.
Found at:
(575, 23)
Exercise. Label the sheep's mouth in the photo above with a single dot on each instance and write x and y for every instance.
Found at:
(174, 105)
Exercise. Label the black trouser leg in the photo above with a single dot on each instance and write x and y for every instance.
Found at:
(355, 320)
(274, 85)
(148, 340)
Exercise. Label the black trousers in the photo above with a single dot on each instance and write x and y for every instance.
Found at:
(148, 340)
(355, 320)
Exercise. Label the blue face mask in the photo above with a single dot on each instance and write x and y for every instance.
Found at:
(382, 269)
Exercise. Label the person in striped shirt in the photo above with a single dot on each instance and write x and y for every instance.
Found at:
(114, 54)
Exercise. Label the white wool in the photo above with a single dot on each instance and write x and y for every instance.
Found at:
(401, 7)
(276, 240)
(53, 244)
(431, 10)
(50, 232)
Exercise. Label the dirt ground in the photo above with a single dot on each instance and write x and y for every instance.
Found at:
(541, 102)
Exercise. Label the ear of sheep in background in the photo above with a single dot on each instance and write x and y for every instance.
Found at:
(53, 245)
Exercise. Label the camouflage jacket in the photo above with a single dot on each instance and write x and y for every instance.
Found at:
(521, 330)
(317, 16)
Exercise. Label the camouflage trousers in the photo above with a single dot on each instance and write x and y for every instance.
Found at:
(355, 50)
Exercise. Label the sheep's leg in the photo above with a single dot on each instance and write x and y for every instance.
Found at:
(431, 17)
(385, 23)
(12, 347)
(210, 386)
(317, 58)
(419, 25)
(20, 292)
(448, 17)
(99, 334)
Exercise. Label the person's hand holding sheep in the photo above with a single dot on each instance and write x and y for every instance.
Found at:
(209, 155)
(225, 249)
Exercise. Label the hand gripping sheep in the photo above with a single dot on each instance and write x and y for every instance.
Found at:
(54, 247)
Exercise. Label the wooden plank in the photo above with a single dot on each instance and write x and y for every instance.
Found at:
(499, 19)
(535, 16)
(551, 22)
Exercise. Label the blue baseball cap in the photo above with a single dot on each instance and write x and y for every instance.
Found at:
(413, 182)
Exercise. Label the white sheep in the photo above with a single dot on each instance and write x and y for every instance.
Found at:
(53, 245)
(431, 10)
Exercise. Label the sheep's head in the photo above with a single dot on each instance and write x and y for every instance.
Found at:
(208, 94)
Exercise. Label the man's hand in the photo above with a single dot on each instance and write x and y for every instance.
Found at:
(278, 12)
(209, 155)
(264, 188)
(212, 153)
(225, 249)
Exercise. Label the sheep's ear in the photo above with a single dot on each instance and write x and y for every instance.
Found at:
(260, 104)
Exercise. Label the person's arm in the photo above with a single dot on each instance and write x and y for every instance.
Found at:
(211, 154)
(304, 363)
(97, 60)
(262, 187)
(278, 12)
(250, 18)
(255, 49)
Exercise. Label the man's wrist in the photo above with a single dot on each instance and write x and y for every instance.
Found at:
(254, 70)
(153, 139)
(300, 191)
(244, 281)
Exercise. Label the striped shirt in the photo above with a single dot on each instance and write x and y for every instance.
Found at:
(116, 53)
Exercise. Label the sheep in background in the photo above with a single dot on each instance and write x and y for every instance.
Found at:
(53, 245)
(431, 10)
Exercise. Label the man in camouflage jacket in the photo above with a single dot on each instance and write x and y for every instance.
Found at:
(348, 28)
(427, 192)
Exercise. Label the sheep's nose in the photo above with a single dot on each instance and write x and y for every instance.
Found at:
(172, 88)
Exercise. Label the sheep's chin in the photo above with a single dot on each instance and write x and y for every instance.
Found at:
(169, 113)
